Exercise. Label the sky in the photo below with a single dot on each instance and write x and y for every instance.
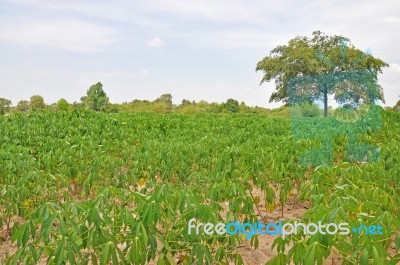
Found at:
(196, 50)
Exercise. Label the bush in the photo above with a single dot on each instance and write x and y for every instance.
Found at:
(305, 110)
(189, 109)
(310, 110)
(62, 105)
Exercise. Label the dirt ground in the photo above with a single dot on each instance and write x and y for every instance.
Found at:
(292, 210)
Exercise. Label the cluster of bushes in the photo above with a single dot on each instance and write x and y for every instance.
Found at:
(306, 110)
(164, 104)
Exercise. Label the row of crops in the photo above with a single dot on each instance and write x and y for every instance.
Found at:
(101, 188)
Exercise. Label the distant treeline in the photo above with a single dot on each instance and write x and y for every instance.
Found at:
(163, 104)
(97, 100)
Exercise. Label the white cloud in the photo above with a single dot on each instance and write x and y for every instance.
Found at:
(126, 11)
(395, 67)
(72, 35)
(144, 72)
(392, 20)
(156, 42)
(220, 85)
(390, 81)
(222, 10)
(85, 82)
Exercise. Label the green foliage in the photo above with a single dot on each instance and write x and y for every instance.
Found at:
(5, 105)
(119, 188)
(163, 103)
(232, 105)
(189, 109)
(397, 106)
(36, 103)
(113, 108)
(306, 110)
(96, 99)
(145, 106)
(62, 105)
(23, 105)
(316, 56)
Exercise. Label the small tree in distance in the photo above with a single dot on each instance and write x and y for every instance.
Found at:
(62, 105)
(5, 105)
(96, 98)
(23, 105)
(232, 105)
(37, 102)
(165, 99)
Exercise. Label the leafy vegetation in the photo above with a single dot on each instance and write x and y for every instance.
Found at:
(96, 99)
(5, 105)
(120, 188)
(22, 106)
(397, 106)
(37, 103)
(62, 105)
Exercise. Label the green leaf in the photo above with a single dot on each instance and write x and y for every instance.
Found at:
(34, 253)
(170, 260)
(143, 233)
(397, 242)
(239, 260)
(70, 254)
(377, 259)
(161, 260)
(59, 254)
(364, 259)
(280, 259)
(105, 254)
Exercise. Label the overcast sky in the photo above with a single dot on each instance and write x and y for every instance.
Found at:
(203, 49)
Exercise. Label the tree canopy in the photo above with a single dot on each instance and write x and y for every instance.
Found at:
(37, 102)
(4, 105)
(62, 105)
(316, 56)
(23, 105)
(232, 105)
(96, 99)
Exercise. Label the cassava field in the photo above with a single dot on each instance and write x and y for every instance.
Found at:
(82, 187)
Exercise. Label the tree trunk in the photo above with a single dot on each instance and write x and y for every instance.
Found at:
(325, 103)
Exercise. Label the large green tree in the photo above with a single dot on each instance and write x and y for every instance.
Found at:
(316, 56)
(4, 105)
(96, 99)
